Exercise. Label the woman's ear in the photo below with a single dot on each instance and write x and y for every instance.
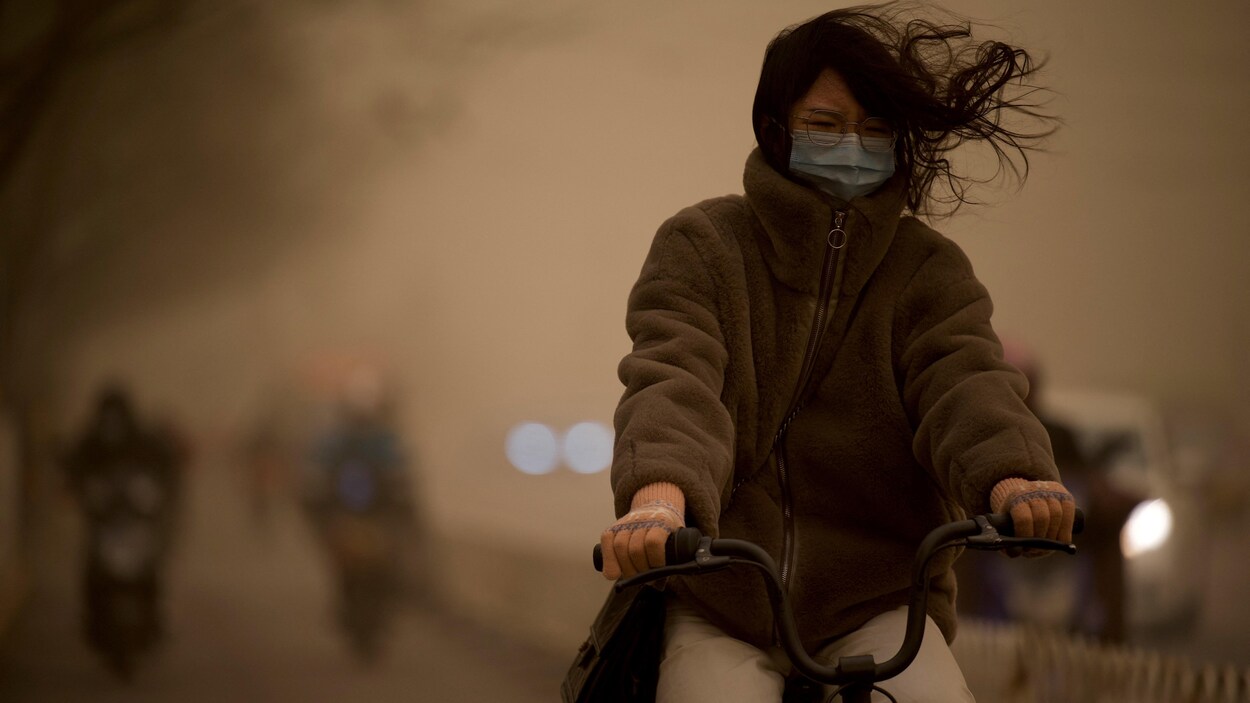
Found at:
(775, 143)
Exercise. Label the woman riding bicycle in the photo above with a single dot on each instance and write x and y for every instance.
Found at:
(814, 368)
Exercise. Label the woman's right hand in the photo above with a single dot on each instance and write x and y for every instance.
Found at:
(635, 542)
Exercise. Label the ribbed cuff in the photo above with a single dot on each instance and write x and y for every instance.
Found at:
(662, 492)
(1004, 490)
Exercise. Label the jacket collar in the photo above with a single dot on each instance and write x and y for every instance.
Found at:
(797, 220)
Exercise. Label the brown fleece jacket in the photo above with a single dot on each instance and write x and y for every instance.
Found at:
(909, 419)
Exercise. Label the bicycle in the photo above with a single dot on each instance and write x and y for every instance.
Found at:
(689, 552)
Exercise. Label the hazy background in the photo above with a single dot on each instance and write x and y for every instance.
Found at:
(242, 199)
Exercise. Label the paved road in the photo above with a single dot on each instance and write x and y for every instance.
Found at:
(250, 621)
(249, 618)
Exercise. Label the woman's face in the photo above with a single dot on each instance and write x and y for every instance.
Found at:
(829, 92)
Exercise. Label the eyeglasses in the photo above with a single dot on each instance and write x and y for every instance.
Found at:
(827, 128)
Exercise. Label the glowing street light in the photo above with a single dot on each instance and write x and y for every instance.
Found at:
(588, 447)
(533, 448)
(1147, 529)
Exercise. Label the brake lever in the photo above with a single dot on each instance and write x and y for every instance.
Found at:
(991, 539)
(660, 572)
(1039, 543)
(703, 561)
(987, 538)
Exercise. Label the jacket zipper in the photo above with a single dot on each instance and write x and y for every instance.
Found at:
(826, 305)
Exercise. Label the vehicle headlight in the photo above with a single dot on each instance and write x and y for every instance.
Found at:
(1147, 529)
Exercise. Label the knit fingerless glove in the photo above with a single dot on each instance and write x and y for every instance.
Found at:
(1037, 508)
(635, 542)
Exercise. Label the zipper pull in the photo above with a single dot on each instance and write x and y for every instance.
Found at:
(837, 235)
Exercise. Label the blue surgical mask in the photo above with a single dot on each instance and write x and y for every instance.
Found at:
(845, 170)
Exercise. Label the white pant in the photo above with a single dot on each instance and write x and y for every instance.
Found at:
(704, 665)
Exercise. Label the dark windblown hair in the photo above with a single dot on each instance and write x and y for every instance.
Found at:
(938, 86)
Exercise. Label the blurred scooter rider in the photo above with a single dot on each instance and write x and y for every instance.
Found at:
(115, 442)
(358, 496)
(119, 468)
(357, 467)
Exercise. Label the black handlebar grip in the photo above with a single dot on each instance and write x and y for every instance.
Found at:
(1002, 523)
(682, 545)
(678, 549)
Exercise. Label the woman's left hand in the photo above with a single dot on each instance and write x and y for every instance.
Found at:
(1037, 508)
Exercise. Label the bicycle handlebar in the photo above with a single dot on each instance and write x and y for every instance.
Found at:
(688, 551)
(681, 545)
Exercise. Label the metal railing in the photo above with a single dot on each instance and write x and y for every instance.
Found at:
(1012, 663)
